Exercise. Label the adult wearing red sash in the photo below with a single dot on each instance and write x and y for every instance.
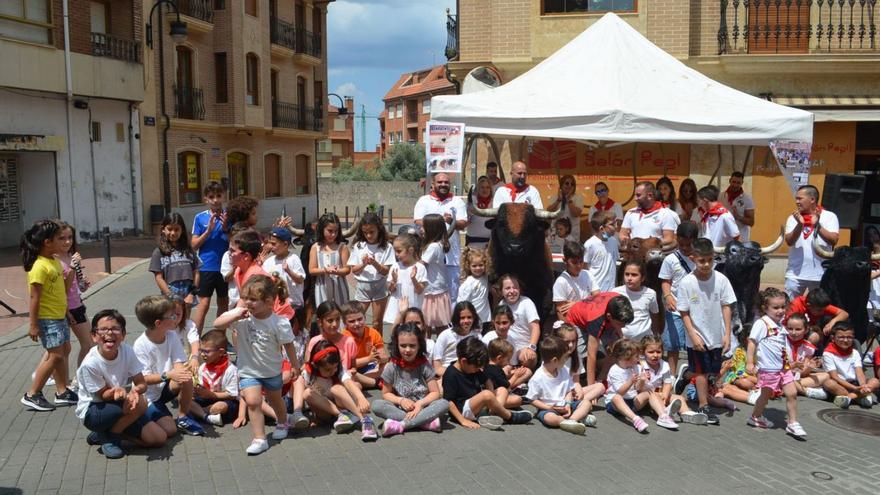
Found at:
(740, 205)
(605, 203)
(716, 223)
(518, 191)
(649, 218)
(808, 221)
(453, 209)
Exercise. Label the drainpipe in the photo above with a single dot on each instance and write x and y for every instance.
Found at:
(69, 80)
(94, 177)
(132, 171)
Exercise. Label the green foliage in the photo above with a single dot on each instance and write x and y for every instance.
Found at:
(404, 161)
(346, 171)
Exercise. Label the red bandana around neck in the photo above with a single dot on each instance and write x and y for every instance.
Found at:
(731, 196)
(608, 205)
(647, 211)
(484, 202)
(797, 345)
(410, 365)
(440, 198)
(837, 351)
(515, 190)
(810, 221)
(715, 210)
(215, 373)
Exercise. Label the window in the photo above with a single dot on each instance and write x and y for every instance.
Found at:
(99, 17)
(96, 132)
(26, 20)
(325, 146)
(399, 110)
(303, 177)
(272, 175)
(426, 106)
(400, 136)
(250, 7)
(189, 178)
(220, 78)
(570, 6)
(219, 4)
(317, 18)
(237, 164)
(252, 96)
(10, 207)
(391, 112)
(339, 124)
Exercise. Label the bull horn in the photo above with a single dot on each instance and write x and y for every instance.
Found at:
(451, 230)
(776, 244)
(353, 229)
(668, 248)
(483, 212)
(719, 250)
(548, 215)
(875, 257)
(296, 232)
(822, 252)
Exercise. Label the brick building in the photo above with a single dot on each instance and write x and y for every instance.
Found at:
(408, 106)
(246, 97)
(339, 144)
(69, 118)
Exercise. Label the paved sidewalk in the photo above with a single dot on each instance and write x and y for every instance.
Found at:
(47, 452)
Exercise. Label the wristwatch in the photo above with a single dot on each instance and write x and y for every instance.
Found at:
(533, 347)
(164, 376)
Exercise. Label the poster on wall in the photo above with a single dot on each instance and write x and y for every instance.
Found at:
(793, 158)
(445, 150)
(541, 155)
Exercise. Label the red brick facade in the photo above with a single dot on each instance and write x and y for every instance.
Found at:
(407, 106)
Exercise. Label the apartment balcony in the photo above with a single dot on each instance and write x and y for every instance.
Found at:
(451, 36)
(308, 46)
(798, 27)
(105, 45)
(282, 33)
(293, 116)
(189, 103)
(197, 9)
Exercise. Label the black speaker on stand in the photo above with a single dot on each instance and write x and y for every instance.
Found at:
(843, 195)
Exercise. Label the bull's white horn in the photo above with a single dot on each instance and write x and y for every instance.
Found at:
(483, 212)
(353, 229)
(822, 252)
(548, 215)
(776, 244)
(718, 250)
(668, 248)
(295, 231)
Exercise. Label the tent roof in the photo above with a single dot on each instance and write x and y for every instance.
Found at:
(610, 83)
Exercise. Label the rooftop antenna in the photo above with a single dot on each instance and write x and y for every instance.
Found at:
(363, 128)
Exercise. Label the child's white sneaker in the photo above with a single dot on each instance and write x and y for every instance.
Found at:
(673, 407)
(796, 430)
(573, 426)
(866, 402)
(640, 424)
(666, 421)
(490, 422)
(258, 446)
(280, 432)
(842, 401)
(694, 418)
(815, 393)
(589, 420)
(214, 419)
(299, 421)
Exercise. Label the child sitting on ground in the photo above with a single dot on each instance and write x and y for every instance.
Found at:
(526, 329)
(660, 382)
(464, 323)
(504, 377)
(628, 389)
(846, 377)
(551, 391)
(329, 316)
(735, 382)
(502, 319)
(806, 366)
(370, 357)
(574, 364)
(216, 392)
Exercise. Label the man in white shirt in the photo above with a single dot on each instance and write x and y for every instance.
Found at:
(649, 218)
(492, 174)
(454, 210)
(809, 220)
(518, 191)
(740, 205)
(716, 223)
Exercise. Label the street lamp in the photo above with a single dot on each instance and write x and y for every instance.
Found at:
(343, 110)
(178, 34)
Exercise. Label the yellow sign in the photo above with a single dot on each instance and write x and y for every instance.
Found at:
(214, 175)
(192, 171)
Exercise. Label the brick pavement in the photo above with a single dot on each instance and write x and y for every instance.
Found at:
(47, 452)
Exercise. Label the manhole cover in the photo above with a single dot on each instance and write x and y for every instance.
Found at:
(855, 421)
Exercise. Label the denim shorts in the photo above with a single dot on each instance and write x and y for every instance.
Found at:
(182, 288)
(674, 336)
(231, 407)
(158, 408)
(609, 406)
(101, 416)
(53, 333)
(270, 384)
(544, 412)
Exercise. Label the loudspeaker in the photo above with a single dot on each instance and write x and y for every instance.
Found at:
(843, 194)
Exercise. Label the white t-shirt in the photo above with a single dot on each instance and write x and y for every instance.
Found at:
(490, 336)
(95, 373)
(192, 333)
(617, 376)
(771, 344)
(476, 290)
(703, 300)
(615, 209)
(844, 366)
(803, 263)
(259, 345)
(549, 389)
(382, 256)
(524, 312)
(644, 304)
(569, 288)
(601, 260)
(742, 203)
(530, 196)
(672, 269)
(444, 347)
(578, 201)
(643, 226)
(158, 358)
(323, 385)
(658, 378)
(720, 229)
(227, 382)
(432, 258)
(453, 205)
(405, 288)
(873, 297)
(225, 269)
(695, 213)
(273, 266)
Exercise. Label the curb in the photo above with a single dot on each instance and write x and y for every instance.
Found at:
(21, 332)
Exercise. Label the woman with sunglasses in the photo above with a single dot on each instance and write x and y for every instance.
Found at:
(605, 203)
(571, 202)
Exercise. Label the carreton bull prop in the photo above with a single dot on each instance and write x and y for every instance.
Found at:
(744, 262)
(847, 281)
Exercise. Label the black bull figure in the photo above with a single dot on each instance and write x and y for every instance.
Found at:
(847, 281)
(743, 263)
(517, 246)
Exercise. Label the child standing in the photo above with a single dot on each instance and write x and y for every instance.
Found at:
(660, 383)
(370, 262)
(526, 328)
(437, 305)
(475, 287)
(406, 279)
(328, 262)
(769, 356)
(210, 240)
(561, 235)
(705, 297)
(47, 311)
(551, 390)
(647, 320)
(410, 392)
(804, 359)
(244, 252)
(846, 377)
(675, 266)
(464, 324)
(370, 357)
(574, 284)
(286, 266)
(602, 250)
(174, 263)
(71, 264)
(187, 331)
(260, 336)
(628, 388)
(217, 391)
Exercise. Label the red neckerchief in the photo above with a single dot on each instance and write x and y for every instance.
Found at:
(410, 365)
(664, 204)
(731, 196)
(656, 206)
(515, 190)
(837, 351)
(440, 198)
(214, 373)
(796, 346)
(714, 211)
(809, 222)
(484, 202)
(608, 204)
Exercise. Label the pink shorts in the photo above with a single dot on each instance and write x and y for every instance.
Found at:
(774, 380)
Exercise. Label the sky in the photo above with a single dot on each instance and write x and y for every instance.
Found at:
(372, 42)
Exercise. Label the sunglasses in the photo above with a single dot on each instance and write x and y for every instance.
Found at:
(601, 191)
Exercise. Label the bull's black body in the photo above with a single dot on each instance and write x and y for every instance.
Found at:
(743, 265)
(847, 281)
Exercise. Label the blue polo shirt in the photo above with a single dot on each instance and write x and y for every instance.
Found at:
(211, 251)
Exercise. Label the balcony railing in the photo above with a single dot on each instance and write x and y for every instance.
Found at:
(105, 45)
(282, 33)
(189, 103)
(293, 116)
(451, 36)
(198, 9)
(797, 26)
(308, 43)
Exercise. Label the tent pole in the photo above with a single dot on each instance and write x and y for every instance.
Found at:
(497, 155)
(746, 160)
(555, 159)
(635, 179)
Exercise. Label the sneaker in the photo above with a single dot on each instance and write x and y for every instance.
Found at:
(666, 421)
(343, 423)
(589, 420)
(840, 401)
(66, 397)
(759, 422)
(639, 424)
(95, 438)
(391, 427)
(112, 450)
(490, 422)
(694, 418)
(299, 421)
(214, 419)
(49, 383)
(753, 397)
(280, 432)
(573, 426)
(673, 408)
(368, 430)
(866, 402)
(711, 418)
(37, 402)
(257, 446)
(680, 383)
(434, 426)
(796, 430)
(519, 417)
(816, 393)
(189, 426)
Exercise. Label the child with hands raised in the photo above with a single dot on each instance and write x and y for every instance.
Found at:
(407, 278)
(371, 259)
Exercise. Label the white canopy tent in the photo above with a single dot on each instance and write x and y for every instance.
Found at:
(611, 83)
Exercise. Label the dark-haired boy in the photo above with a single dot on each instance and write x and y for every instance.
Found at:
(820, 313)
(846, 376)
(575, 283)
(674, 268)
(210, 240)
(216, 393)
(551, 390)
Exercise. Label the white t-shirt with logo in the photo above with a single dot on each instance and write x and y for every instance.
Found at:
(530, 196)
(742, 203)
(844, 366)
(703, 299)
(658, 378)
(550, 390)
(644, 304)
(569, 288)
(803, 262)
(643, 226)
(476, 290)
(672, 269)
(524, 313)
(601, 260)
(720, 229)
(273, 266)
(771, 344)
(453, 205)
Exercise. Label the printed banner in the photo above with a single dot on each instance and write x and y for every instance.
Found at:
(793, 158)
(445, 150)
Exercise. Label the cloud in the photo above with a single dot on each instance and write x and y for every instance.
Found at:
(349, 89)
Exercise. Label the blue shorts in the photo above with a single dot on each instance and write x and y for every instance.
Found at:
(231, 407)
(705, 362)
(544, 412)
(158, 408)
(184, 288)
(674, 335)
(101, 416)
(609, 406)
(269, 384)
(370, 367)
(53, 333)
